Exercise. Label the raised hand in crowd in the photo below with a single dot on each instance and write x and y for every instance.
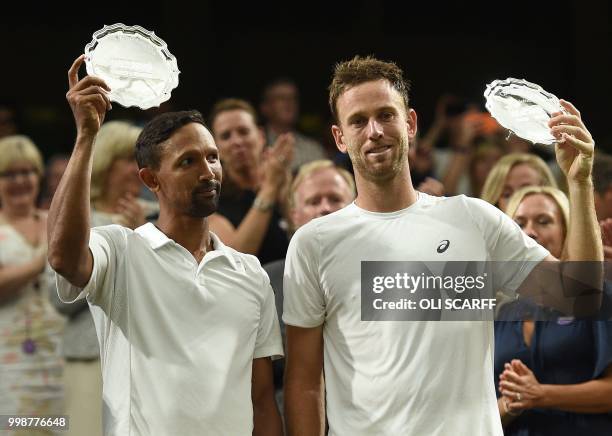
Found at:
(277, 164)
(131, 213)
(462, 135)
(440, 123)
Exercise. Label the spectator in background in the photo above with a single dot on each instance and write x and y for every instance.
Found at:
(30, 328)
(115, 186)
(114, 200)
(561, 367)
(602, 182)
(512, 172)
(280, 109)
(8, 124)
(483, 160)
(250, 216)
(457, 131)
(55, 170)
(319, 189)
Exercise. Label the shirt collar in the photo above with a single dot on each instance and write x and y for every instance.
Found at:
(157, 239)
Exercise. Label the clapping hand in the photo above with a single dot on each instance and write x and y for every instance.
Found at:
(277, 161)
(519, 387)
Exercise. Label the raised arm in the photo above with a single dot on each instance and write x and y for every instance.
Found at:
(68, 222)
(575, 153)
(304, 386)
(577, 282)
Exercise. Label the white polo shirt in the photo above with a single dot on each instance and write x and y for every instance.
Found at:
(177, 338)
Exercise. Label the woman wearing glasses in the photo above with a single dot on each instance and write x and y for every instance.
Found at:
(30, 328)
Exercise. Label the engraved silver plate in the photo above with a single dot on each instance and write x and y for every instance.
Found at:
(523, 107)
(135, 63)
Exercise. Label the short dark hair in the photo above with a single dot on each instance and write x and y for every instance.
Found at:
(159, 129)
(279, 81)
(360, 70)
(231, 104)
(602, 172)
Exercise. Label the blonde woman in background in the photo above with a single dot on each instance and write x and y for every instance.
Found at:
(512, 172)
(115, 187)
(554, 372)
(31, 361)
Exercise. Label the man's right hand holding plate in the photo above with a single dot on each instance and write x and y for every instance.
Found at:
(88, 99)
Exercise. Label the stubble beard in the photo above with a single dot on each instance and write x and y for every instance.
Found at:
(203, 207)
(380, 174)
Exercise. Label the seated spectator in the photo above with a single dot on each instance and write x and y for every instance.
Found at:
(280, 110)
(554, 373)
(512, 172)
(319, 189)
(30, 328)
(55, 170)
(250, 216)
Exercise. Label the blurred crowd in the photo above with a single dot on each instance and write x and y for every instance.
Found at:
(275, 179)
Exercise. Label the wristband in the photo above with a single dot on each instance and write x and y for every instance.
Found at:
(263, 205)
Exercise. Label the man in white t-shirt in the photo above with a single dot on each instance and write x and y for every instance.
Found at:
(187, 326)
(404, 378)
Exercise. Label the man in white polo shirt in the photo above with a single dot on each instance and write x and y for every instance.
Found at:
(186, 325)
(405, 378)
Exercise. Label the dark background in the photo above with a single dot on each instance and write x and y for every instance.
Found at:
(227, 48)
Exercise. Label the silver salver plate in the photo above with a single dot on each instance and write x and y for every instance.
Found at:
(135, 63)
(522, 107)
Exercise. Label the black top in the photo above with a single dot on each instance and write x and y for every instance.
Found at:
(234, 204)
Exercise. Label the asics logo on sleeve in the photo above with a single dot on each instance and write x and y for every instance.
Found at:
(443, 246)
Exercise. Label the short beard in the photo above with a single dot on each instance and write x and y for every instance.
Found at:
(360, 165)
(203, 207)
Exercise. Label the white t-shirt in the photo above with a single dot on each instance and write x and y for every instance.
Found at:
(402, 378)
(177, 339)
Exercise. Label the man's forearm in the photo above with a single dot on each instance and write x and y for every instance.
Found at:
(266, 419)
(304, 409)
(69, 221)
(583, 274)
(583, 235)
